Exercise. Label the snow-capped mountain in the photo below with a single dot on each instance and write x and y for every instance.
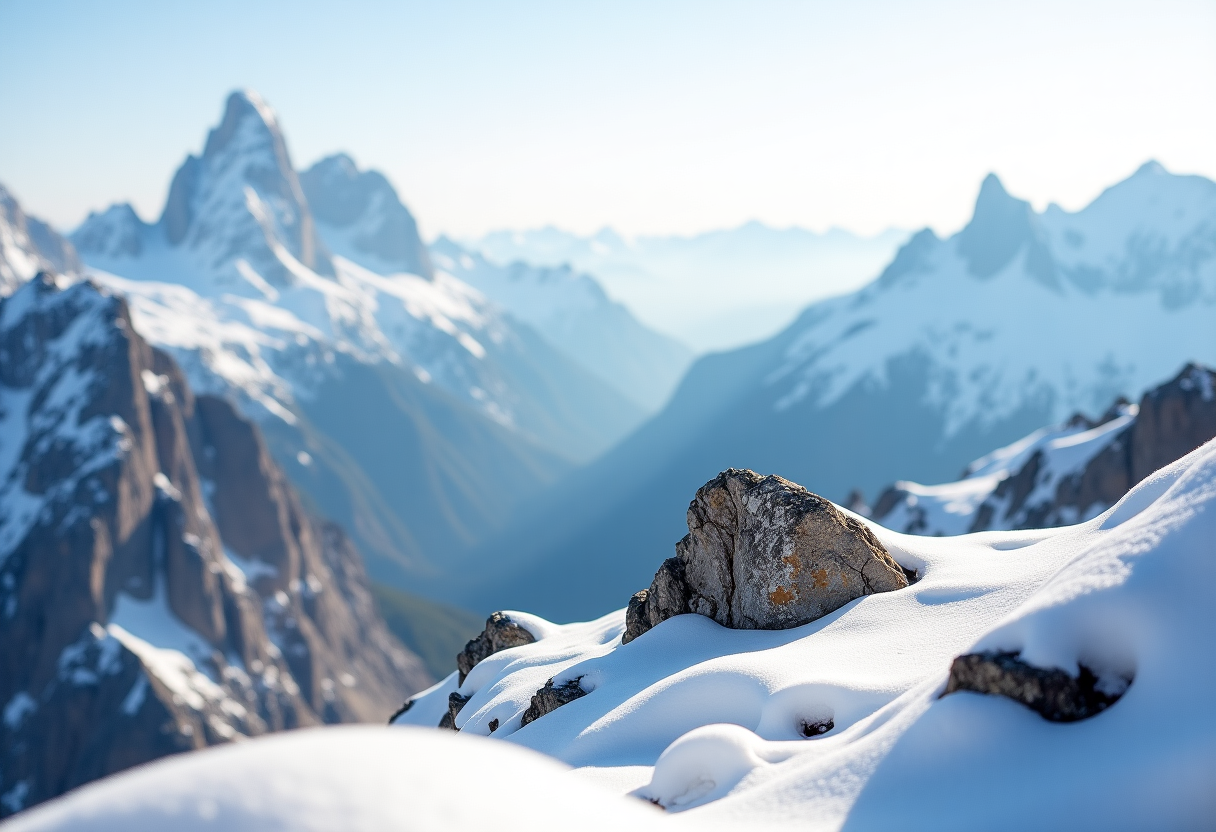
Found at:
(161, 586)
(360, 217)
(406, 406)
(961, 345)
(28, 246)
(571, 311)
(717, 290)
(1066, 474)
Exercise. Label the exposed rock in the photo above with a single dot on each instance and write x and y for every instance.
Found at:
(667, 597)
(551, 697)
(1052, 693)
(816, 727)
(455, 703)
(123, 470)
(763, 553)
(500, 633)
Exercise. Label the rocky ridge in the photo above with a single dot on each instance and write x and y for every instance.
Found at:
(161, 586)
(1066, 474)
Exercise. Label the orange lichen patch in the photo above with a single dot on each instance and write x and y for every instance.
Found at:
(794, 563)
(781, 596)
(820, 577)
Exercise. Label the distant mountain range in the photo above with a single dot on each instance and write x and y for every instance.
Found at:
(717, 290)
(409, 406)
(961, 345)
(162, 588)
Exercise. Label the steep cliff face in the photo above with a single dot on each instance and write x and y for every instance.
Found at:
(1063, 475)
(161, 588)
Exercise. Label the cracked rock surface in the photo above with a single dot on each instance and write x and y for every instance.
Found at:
(763, 553)
(1052, 693)
(500, 633)
(551, 697)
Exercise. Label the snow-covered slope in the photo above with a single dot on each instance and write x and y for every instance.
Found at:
(1062, 475)
(406, 406)
(28, 246)
(709, 720)
(960, 346)
(711, 723)
(716, 290)
(570, 310)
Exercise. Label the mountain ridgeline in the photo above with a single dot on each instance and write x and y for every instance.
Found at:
(961, 345)
(161, 586)
(403, 403)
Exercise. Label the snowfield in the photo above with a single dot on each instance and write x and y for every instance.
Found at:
(710, 723)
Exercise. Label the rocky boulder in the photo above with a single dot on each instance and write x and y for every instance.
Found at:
(500, 633)
(763, 553)
(551, 697)
(1052, 693)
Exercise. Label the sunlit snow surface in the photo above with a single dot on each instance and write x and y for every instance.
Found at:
(706, 720)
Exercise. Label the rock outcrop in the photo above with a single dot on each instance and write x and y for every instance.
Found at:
(1066, 474)
(161, 587)
(1053, 694)
(456, 701)
(551, 697)
(500, 633)
(764, 553)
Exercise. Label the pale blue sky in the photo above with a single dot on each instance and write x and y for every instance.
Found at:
(653, 117)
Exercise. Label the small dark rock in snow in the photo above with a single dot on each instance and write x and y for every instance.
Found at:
(551, 697)
(817, 727)
(455, 703)
(493, 725)
(1054, 694)
(763, 553)
(500, 633)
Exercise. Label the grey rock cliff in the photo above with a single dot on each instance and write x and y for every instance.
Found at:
(144, 608)
(764, 553)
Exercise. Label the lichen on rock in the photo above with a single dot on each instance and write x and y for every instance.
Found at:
(763, 553)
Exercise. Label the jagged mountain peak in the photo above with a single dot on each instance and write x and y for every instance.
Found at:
(1152, 168)
(242, 200)
(363, 217)
(244, 107)
(116, 232)
(1000, 226)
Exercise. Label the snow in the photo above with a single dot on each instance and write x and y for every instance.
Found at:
(354, 779)
(716, 715)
